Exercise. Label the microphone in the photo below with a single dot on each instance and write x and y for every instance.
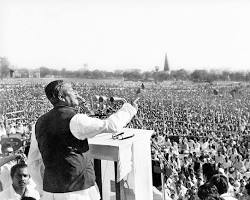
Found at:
(111, 99)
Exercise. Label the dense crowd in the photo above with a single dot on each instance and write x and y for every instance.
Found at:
(195, 127)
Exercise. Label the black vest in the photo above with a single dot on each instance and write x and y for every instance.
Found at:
(68, 165)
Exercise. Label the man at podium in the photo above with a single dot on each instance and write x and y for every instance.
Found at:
(61, 144)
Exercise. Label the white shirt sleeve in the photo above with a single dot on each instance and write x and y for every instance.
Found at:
(35, 162)
(82, 126)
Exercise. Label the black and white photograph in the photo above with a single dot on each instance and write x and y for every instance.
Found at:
(124, 100)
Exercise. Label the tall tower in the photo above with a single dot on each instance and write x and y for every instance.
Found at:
(166, 67)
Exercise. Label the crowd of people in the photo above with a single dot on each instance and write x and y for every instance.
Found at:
(196, 129)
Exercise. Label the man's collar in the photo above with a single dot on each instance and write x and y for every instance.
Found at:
(60, 104)
(63, 104)
(13, 192)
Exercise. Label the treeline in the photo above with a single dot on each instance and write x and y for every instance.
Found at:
(157, 76)
(195, 76)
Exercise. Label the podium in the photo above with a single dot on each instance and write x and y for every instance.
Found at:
(123, 167)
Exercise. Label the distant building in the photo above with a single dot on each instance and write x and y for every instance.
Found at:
(21, 73)
(17, 74)
(11, 75)
(35, 73)
(166, 67)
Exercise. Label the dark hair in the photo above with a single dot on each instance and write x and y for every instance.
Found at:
(247, 186)
(16, 167)
(220, 181)
(206, 190)
(208, 170)
(53, 90)
(28, 198)
(214, 198)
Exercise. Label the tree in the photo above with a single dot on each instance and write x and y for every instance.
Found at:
(162, 76)
(63, 72)
(118, 73)
(97, 74)
(4, 67)
(147, 76)
(199, 75)
(44, 71)
(180, 74)
(237, 76)
(24, 72)
(225, 76)
(248, 76)
(132, 75)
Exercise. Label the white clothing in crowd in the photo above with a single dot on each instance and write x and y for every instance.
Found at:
(10, 194)
(20, 128)
(2, 131)
(12, 130)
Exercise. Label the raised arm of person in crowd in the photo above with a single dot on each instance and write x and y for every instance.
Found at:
(83, 126)
(7, 159)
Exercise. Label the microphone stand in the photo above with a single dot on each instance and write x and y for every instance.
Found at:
(162, 160)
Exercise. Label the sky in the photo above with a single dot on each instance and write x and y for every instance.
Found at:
(126, 34)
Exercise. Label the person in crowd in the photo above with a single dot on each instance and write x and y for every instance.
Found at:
(247, 164)
(20, 184)
(7, 161)
(12, 129)
(2, 133)
(192, 194)
(62, 136)
(219, 158)
(20, 128)
(207, 190)
(2, 129)
(242, 187)
(246, 193)
(239, 164)
(227, 163)
(208, 170)
(180, 189)
(234, 155)
(221, 183)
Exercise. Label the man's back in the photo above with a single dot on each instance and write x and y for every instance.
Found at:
(68, 166)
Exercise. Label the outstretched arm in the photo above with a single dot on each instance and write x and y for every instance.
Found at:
(83, 126)
(7, 159)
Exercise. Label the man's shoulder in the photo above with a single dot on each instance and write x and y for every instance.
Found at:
(227, 196)
(44, 116)
(6, 194)
(32, 192)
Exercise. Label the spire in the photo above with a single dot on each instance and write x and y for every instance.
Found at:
(166, 67)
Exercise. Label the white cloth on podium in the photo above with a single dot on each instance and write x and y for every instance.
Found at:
(124, 165)
(129, 154)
